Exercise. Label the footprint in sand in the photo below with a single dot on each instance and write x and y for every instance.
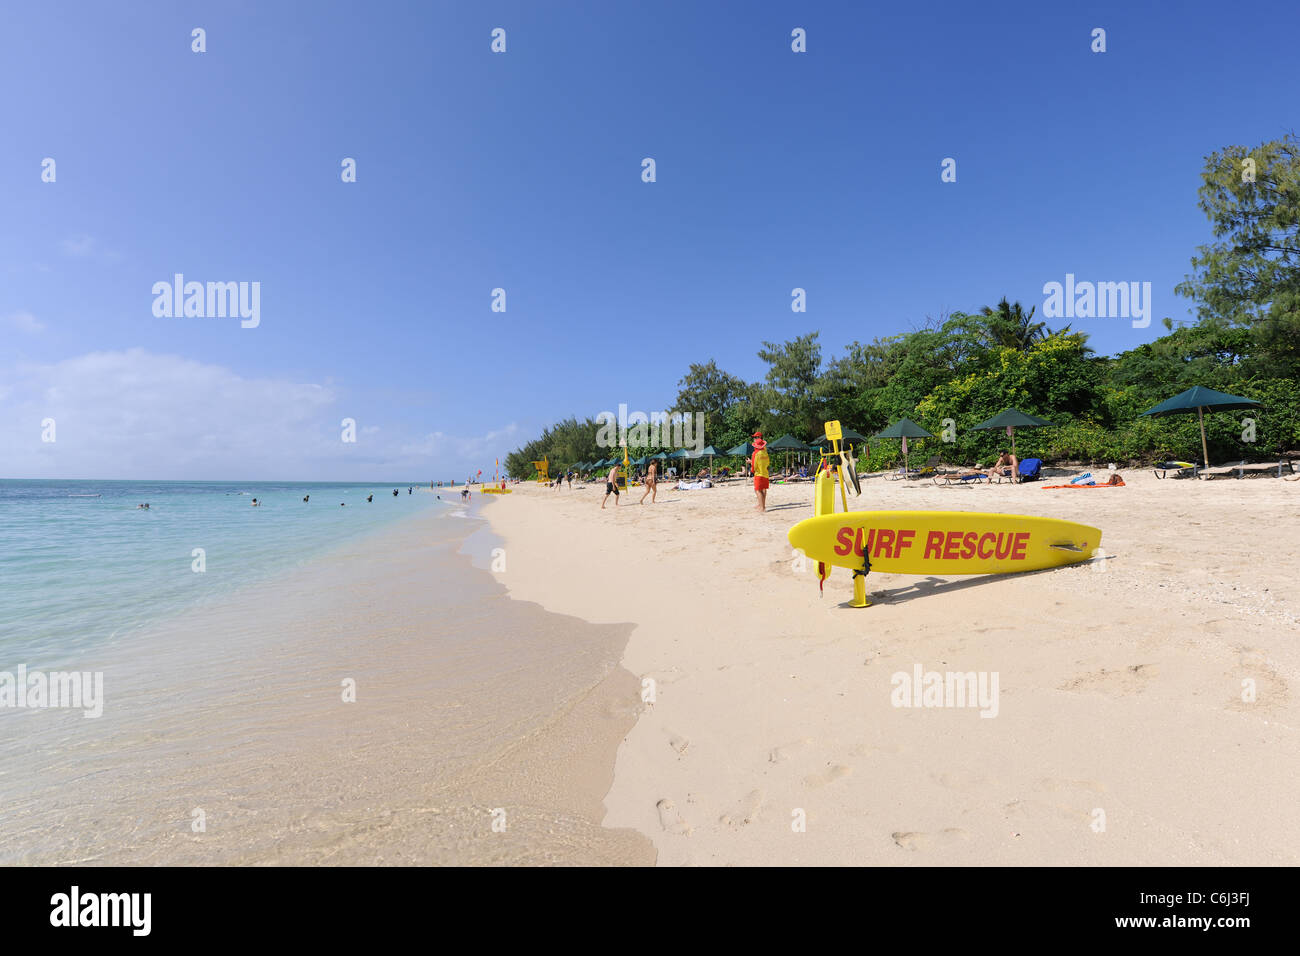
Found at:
(678, 742)
(786, 751)
(745, 811)
(957, 779)
(830, 775)
(1115, 683)
(913, 841)
(670, 819)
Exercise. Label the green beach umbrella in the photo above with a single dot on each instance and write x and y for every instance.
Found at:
(847, 437)
(788, 443)
(904, 428)
(743, 450)
(1013, 418)
(1200, 399)
(708, 451)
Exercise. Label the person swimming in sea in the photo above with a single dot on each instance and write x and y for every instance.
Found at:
(305, 497)
(255, 503)
(370, 497)
(394, 492)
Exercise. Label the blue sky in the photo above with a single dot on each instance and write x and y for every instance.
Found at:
(522, 171)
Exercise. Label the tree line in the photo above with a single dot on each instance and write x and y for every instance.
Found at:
(953, 372)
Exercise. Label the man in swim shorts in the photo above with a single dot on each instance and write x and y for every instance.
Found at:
(1007, 466)
(611, 485)
(760, 465)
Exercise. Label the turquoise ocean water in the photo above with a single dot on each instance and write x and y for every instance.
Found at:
(81, 567)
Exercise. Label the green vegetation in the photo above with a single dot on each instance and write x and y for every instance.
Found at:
(967, 367)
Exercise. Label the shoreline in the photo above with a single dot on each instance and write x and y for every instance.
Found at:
(1125, 741)
(470, 708)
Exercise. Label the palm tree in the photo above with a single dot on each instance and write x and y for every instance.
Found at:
(1009, 326)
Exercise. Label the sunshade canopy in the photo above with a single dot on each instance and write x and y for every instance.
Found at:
(787, 443)
(1198, 396)
(1014, 418)
(746, 449)
(847, 435)
(904, 428)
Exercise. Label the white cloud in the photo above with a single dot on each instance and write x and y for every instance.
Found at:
(138, 414)
(493, 445)
(81, 245)
(24, 322)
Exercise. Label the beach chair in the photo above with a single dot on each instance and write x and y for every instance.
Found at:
(1175, 469)
(899, 474)
(1030, 470)
(959, 477)
(1241, 470)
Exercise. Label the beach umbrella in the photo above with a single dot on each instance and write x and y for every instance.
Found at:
(847, 437)
(787, 443)
(904, 428)
(744, 450)
(681, 454)
(1200, 399)
(708, 451)
(1011, 419)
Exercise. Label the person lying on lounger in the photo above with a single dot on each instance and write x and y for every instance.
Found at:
(1007, 466)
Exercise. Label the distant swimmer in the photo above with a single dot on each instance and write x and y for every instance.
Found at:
(370, 497)
(144, 507)
(343, 504)
(306, 497)
(394, 492)
(409, 490)
(254, 502)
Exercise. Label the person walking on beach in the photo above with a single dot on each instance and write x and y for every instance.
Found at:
(760, 464)
(569, 476)
(611, 486)
(651, 482)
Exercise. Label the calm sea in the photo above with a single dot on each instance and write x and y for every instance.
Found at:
(81, 566)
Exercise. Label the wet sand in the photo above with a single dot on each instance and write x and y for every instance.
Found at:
(483, 729)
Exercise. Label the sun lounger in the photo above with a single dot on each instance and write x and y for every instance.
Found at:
(1030, 470)
(965, 477)
(1242, 469)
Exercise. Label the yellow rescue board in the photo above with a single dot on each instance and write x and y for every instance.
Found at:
(494, 491)
(943, 542)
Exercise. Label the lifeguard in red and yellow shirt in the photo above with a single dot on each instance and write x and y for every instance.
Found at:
(759, 462)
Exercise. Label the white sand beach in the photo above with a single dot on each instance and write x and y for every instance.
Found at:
(1121, 736)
